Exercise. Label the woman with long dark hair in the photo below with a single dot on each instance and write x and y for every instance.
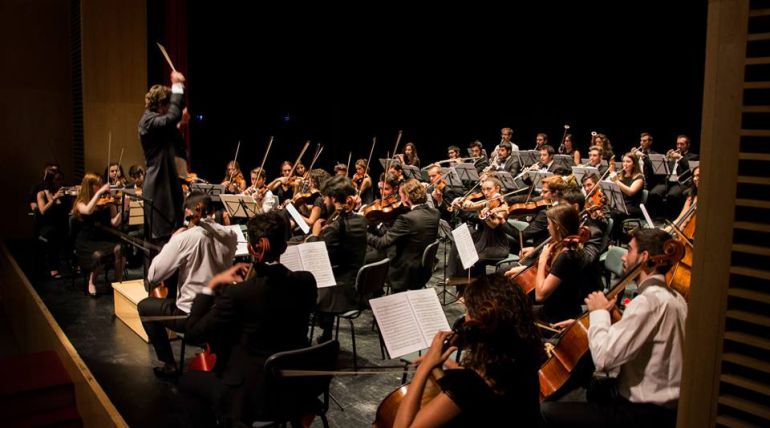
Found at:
(498, 377)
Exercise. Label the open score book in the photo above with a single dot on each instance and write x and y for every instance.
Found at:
(409, 320)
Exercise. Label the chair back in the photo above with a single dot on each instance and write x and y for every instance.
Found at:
(428, 262)
(371, 280)
(607, 233)
(293, 396)
(614, 263)
(645, 193)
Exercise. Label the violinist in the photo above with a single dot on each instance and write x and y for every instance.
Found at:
(631, 182)
(488, 237)
(410, 234)
(597, 205)
(557, 285)
(440, 191)
(345, 238)
(537, 230)
(196, 252)
(595, 243)
(363, 183)
(397, 171)
(498, 376)
(114, 175)
(234, 182)
(31, 198)
(94, 213)
(341, 169)
(259, 191)
(389, 196)
(646, 345)
(310, 203)
(52, 221)
(283, 186)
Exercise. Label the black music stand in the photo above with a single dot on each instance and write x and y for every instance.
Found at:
(411, 171)
(659, 164)
(445, 236)
(537, 178)
(614, 195)
(213, 190)
(451, 177)
(466, 172)
(507, 180)
(528, 157)
(239, 206)
(582, 171)
(564, 161)
(385, 162)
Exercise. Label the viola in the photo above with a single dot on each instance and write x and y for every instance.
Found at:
(573, 341)
(383, 210)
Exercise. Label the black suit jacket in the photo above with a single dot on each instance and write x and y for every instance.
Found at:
(510, 165)
(410, 233)
(246, 324)
(159, 136)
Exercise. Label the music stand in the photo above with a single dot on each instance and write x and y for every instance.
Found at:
(451, 177)
(528, 157)
(507, 180)
(411, 171)
(467, 172)
(614, 195)
(384, 162)
(445, 236)
(537, 178)
(239, 206)
(582, 171)
(564, 161)
(213, 190)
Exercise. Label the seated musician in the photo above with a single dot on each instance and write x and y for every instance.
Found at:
(92, 241)
(234, 182)
(409, 156)
(311, 206)
(389, 187)
(196, 253)
(546, 158)
(259, 191)
(631, 183)
(668, 194)
(541, 139)
(488, 237)
(497, 380)
(568, 148)
(363, 182)
(595, 221)
(537, 230)
(691, 194)
(441, 193)
(397, 171)
(136, 173)
(345, 238)
(595, 155)
(453, 154)
(477, 151)
(557, 284)
(114, 175)
(504, 161)
(283, 186)
(341, 169)
(52, 221)
(31, 198)
(248, 313)
(646, 345)
(410, 234)
(603, 141)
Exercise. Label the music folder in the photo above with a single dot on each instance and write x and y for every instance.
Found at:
(409, 320)
(312, 257)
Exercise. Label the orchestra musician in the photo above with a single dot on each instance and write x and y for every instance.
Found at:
(341, 169)
(409, 156)
(259, 191)
(537, 230)
(541, 139)
(568, 148)
(283, 186)
(114, 175)
(497, 378)
(646, 345)
(345, 238)
(557, 285)
(196, 252)
(480, 159)
(669, 193)
(363, 182)
(453, 154)
(92, 243)
(440, 191)
(31, 199)
(595, 156)
(504, 161)
(410, 234)
(389, 187)
(691, 195)
(159, 136)
(136, 173)
(247, 313)
(234, 181)
(52, 219)
(603, 141)
(631, 182)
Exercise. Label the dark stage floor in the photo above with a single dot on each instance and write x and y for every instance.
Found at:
(121, 361)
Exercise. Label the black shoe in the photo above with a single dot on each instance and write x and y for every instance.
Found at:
(166, 372)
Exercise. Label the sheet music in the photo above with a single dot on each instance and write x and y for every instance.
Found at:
(615, 195)
(582, 171)
(291, 258)
(315, 259)
(242, 248)
(647, 218)
(430, 315)
(298, 218)
(398, 324)
(465, 247)
(243, 206)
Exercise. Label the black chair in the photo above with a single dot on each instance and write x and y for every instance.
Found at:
(427, 265)
(292, 397)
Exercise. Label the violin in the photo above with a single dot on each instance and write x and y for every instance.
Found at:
(573, 340)
(528, 208)
(383, 210)
(109, 199)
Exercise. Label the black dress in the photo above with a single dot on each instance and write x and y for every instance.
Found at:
(90, 239)
(564, 302)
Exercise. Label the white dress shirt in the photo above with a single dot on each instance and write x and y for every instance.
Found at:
(646, 344)
(198, 253)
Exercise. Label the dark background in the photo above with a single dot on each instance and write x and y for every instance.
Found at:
(445, 77)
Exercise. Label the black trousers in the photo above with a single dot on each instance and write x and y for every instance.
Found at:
(156, 330)
(617, 412)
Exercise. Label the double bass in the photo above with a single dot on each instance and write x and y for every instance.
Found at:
(573, 341)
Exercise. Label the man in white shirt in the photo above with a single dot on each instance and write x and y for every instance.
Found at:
(197, 252)
(646, 345)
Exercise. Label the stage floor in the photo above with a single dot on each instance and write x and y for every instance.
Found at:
(122, 362)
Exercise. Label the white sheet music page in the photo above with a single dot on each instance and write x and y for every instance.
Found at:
(465, 247)
(315, 259)
(298, 218)
(291, 258)
(430, 315)
(242, 248)
(398, 325)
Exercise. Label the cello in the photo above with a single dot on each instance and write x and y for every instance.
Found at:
(679, 276)
(573, 341)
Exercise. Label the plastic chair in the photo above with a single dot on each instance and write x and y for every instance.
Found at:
(613, 264)
(292, 397)
(427, 264)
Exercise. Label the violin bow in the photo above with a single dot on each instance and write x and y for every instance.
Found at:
(109, 153)
(264, 158)
(307, 144)
(395, 150)
(165, 55)
(371, 151)
(347, 168)
(596, 187)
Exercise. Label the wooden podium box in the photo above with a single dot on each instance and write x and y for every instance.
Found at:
(127, 295)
